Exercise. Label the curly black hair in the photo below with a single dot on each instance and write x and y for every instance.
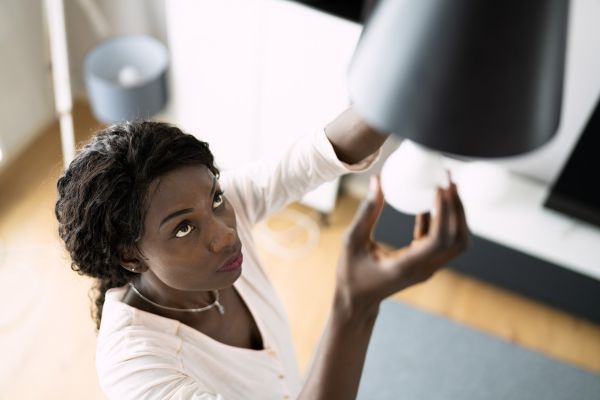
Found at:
(102, 195)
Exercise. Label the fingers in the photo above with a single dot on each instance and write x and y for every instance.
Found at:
(444, 235)
(439, 231)
(462, 229)
(421, 225)
(366, 217)
(449, 228)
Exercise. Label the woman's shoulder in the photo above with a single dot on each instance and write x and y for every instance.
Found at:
(138, 355)
(125, 330)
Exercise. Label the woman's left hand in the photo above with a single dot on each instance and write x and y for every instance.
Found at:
(368, 272)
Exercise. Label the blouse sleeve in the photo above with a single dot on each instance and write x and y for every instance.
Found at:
(266, 186)
(151, 372)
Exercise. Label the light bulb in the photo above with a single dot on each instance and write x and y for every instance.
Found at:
(411, 176)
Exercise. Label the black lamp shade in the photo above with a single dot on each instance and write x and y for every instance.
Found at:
(476, 78)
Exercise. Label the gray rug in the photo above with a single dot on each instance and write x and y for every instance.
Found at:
(415, 355)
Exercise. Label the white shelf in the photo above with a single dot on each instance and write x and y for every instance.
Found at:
(515, 217)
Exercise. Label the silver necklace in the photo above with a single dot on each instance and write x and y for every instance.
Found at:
(215, 303)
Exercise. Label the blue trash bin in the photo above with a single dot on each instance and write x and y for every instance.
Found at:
(126, 78)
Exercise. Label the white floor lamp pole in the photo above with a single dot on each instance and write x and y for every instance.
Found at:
(61, 77)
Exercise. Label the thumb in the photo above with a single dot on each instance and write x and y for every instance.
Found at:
(367, 215)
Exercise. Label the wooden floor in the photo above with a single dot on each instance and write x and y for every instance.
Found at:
(47, 337)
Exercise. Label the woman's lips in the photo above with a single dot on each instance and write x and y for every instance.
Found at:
(233, 263)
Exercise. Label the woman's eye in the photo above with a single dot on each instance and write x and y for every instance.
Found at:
(219, 199)
(185, 230)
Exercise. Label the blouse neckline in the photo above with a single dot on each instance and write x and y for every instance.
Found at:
(177, 328)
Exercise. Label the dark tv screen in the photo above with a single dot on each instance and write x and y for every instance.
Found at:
(577, 190)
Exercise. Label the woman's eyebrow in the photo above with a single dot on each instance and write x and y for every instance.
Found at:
(175, 214)
(188, 210)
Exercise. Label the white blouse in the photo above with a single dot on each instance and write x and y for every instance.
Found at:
(141, 355)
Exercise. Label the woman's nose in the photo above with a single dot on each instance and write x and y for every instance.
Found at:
(223, 240)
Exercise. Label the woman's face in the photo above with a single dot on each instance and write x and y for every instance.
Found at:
(190, 231)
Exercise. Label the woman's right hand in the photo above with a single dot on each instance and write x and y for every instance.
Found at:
(368, 273)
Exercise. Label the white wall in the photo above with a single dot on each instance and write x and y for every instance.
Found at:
(25, 95)
(251, 76)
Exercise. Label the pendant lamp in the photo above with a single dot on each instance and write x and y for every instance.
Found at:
(466, 77)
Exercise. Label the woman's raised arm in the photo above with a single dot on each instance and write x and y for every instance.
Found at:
(367, 274)
(352, 138)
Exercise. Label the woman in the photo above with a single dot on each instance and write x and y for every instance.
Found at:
(184, 308)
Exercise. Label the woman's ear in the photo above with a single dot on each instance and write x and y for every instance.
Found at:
(130, 260)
